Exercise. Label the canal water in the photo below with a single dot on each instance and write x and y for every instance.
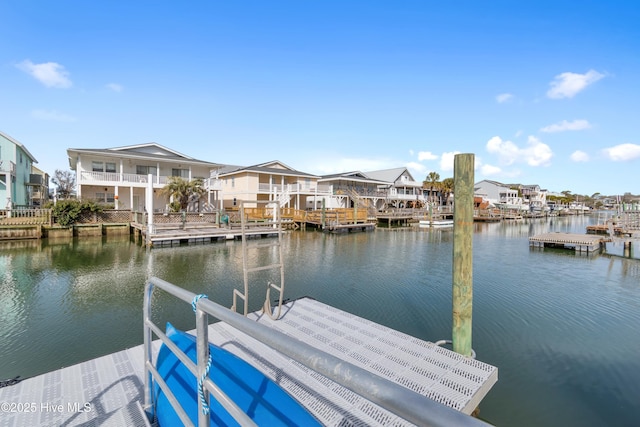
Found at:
(562, 328)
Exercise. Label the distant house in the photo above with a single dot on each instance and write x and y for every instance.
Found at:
(271, 181)
(498, 194)
(39, 184)
(534, 196)
(401, 188)
(121, 175)
(355, 188)
(15, 173)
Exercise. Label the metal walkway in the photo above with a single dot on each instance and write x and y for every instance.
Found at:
(108, 390)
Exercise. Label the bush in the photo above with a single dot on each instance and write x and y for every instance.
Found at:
(67, 212)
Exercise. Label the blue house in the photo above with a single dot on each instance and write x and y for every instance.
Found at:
(15, 173)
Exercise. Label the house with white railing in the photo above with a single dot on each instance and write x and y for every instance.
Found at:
(125, 176)
(351, 189)
(271, 181)
(401, 189)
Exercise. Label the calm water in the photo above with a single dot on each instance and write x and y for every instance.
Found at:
(562, 328)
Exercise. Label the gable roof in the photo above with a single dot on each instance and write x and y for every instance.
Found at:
(151, 151)
(354, 176)
(18, 144)
(390, 175)
(267, 167)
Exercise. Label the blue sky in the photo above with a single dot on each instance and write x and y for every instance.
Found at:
(543, 92)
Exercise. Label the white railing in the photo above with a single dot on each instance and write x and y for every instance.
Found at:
(399, 400)
(7, 166)
(113, 177)
(294, 188)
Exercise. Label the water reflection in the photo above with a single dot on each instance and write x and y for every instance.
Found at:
(560, 327)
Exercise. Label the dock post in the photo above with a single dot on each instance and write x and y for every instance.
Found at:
(463, 253)
(322, 220)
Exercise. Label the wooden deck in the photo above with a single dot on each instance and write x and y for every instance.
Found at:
(578, 242)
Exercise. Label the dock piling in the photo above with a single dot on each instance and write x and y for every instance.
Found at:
(463, 253)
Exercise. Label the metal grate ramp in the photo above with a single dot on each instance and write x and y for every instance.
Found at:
(112, 385)
(428, 369)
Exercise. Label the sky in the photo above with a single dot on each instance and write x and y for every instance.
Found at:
(542, 92)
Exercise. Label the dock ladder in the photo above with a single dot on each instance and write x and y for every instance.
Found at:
(255, 216)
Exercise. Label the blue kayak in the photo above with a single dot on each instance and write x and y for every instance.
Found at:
(257, 395)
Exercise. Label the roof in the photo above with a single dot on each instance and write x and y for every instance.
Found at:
(267, 167)
(389, 175)
(354, 176)
(17, 143)
(150, 151)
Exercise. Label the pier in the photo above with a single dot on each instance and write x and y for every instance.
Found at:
(109, 390)
(578, 242)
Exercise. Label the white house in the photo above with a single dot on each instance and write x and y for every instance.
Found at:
(121, 175)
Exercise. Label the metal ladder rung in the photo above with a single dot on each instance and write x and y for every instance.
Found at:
(264, 267)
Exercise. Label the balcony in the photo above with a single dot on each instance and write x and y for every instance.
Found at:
(295, 188)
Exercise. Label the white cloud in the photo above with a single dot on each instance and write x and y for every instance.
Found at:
(565, 125)
(567, 85)
(446, 161)
(506, 150)
(504, 97)
(115, 87)
(49, 74)
(489, 170)
(417, 169)
(426, 155)
(579, 156)
(536, 153)
(52, 115)
(622, 152)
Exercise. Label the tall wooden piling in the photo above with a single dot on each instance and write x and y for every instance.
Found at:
(463, 253)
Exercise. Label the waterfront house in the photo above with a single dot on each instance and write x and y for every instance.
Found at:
(535, 197)
(401, 189)
(500, 195)
(123, 175)
(272, 180)
(15, 173)
(351, 189)
(39, 184)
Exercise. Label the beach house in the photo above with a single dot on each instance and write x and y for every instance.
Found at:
(123, 175)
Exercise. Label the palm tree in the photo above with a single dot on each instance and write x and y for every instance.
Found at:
(447, 189)
(431, 182)
(182, 190)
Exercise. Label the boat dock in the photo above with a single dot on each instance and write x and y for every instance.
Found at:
(108, 391)
(578, 242)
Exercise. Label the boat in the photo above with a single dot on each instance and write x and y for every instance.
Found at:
(265, 402)
(436, 223)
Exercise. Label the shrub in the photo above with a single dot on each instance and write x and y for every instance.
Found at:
(67, 212)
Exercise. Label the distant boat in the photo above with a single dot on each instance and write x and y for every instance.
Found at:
(436, 223)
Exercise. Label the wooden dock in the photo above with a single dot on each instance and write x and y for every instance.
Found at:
(108, 391)
(167, 235)
(578, 242)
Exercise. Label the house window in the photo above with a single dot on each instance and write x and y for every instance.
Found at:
(110, 167)
(183, 173)
(105, 197)
(146, 170)
(233, 184)
(97, 166)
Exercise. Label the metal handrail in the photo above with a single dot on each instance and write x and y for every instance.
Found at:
(391, 396)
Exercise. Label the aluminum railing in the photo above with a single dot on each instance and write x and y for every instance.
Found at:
(393, 397)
